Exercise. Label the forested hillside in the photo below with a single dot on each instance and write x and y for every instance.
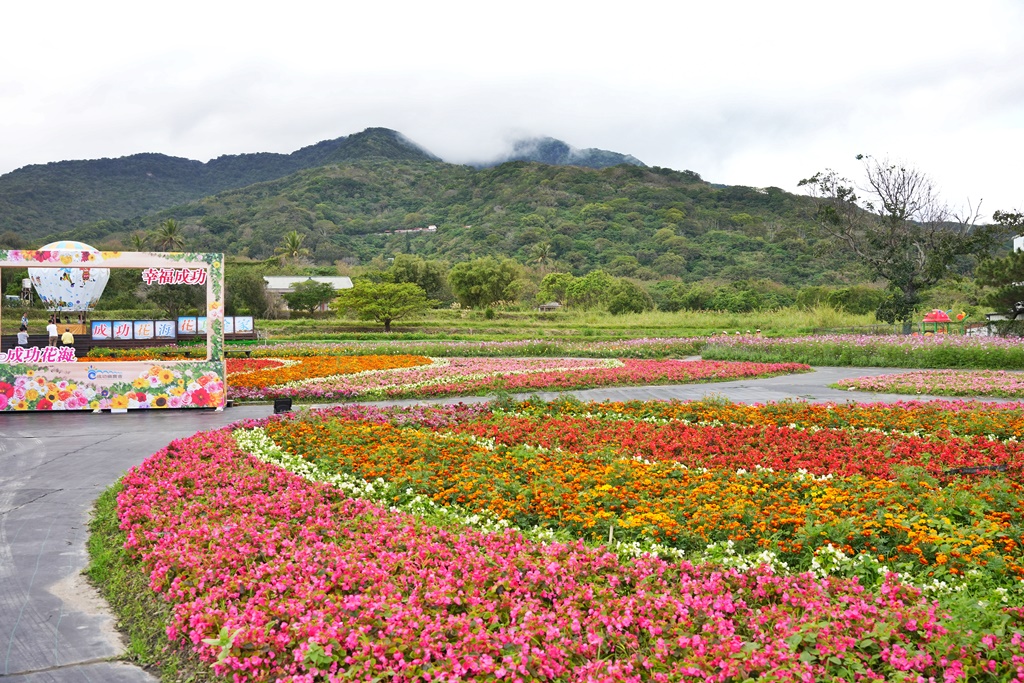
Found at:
(48, 199)
(647, 223)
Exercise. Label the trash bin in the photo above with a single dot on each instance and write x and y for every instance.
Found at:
(282, 405)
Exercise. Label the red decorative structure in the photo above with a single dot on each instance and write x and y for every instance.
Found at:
(938, 319)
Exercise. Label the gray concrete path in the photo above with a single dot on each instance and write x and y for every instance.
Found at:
(53, 625)
(55, 629)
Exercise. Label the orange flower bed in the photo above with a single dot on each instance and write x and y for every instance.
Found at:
(314, 367)
(940, 528)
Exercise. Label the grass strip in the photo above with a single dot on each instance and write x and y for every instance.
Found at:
(141, 614)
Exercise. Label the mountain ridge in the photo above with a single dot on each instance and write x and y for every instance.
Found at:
(46, 199)
(42, 199)
(547, 150)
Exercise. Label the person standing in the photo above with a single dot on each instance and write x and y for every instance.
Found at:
(24, 320)
(67, 339)
(23, 336)
(51, 332)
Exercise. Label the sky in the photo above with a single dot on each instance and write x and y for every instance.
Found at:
(743, 92)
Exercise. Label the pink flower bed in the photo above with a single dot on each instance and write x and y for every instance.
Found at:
(943, 383)
(271, 577)
(465, 376)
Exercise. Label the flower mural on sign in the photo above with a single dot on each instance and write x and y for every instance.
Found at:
(175, 385)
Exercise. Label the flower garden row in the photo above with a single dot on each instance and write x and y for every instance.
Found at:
(943, 383)
(938, 351)
(899, 498)
(272, 576)
(332, 378)
(647, 347)
(939, 419)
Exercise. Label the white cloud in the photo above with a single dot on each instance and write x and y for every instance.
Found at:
(742, 92)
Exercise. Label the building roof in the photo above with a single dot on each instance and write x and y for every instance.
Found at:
(285, 283)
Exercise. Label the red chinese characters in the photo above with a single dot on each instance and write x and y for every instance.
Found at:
(36, 354)
(174, 276)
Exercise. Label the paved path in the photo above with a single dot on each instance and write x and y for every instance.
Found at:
(53, 626)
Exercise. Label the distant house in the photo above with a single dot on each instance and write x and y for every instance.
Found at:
(283, 284)
(550, 306)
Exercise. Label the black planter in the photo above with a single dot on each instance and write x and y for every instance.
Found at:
(282, 405)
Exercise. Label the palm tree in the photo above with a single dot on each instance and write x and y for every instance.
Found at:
(168, 236)
(137, 241)
(542, 254)
(291, 246)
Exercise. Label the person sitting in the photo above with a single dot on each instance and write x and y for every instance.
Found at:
(67, 339)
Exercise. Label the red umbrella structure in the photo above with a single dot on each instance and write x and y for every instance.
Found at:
(937, 316)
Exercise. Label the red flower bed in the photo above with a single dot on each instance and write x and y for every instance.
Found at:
(271, 577)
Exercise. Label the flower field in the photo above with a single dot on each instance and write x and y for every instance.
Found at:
(894, 497)
(643, 347)
(930, 351)
(943, 383)
(324, 378)
(319, 574)
(941, 419)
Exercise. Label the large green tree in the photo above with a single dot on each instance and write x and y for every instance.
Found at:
(1005, 275)
(309, 296)
(176, 300)
(900, 229)
(592, 290)
(430, 275)
(383, 302)
(245, 291)
(555, 287)
(629, 297)
(484, 281)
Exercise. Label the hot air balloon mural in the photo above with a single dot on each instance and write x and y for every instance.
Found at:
(69, 288)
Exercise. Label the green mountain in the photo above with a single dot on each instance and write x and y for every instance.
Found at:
(48, 199)
(376, 194)
(648, 223)
(558, 153)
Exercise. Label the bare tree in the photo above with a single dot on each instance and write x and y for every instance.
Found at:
(901, 229)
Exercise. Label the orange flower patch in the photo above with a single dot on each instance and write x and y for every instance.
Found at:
(587, 479)
(314, 367)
